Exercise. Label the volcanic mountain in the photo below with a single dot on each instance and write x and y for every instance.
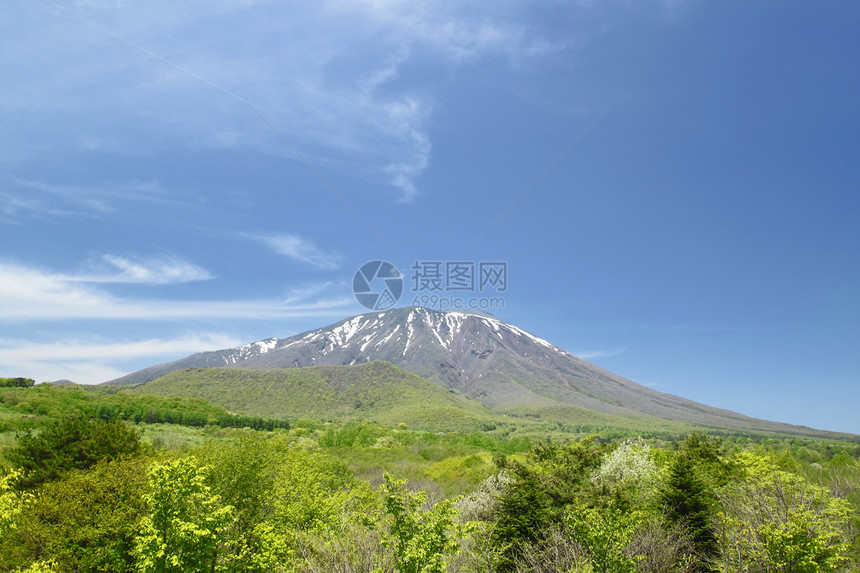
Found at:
(477, 354)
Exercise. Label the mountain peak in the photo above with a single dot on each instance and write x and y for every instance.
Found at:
(473, 352)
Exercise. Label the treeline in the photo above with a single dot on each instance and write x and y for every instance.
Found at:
(108, 404)
(138, 413)
(16, 382)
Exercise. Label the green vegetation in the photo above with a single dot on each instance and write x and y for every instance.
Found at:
(389, 395)
(16, 382)
(21, 408)
(70, 443)
(88, 485)
(375, 390)
(182, 520)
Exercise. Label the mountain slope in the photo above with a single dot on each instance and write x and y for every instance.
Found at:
(376, 389)
(379, 391)
(477, 354)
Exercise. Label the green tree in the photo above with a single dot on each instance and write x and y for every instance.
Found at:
(16, 382)
(688, 502)
(244, 473)
(85, 521)
(12, 503)
(523, 513)
(773, 520)
(421, 541)
(605, 532)
(554, 478)
(73, 442)
(183, 525)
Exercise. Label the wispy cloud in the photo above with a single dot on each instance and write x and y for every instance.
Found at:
(300, 249)
(604, 353)
(165, 270)
(174, 74)
(22, 200)
(93, 361)
(32, 294)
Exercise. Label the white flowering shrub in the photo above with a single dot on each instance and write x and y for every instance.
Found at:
(629, 467)
(480, 505)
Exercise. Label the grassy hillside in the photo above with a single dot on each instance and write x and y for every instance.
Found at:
(389, 395)
(376, 390)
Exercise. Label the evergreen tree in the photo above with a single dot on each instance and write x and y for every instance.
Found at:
(73, 442)
(689, 502)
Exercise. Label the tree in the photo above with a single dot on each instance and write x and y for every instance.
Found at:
(773, 520)
(605, 532)
(422, 541)
(523, 513)
(73, 442)
(12, 502)
(688, 502)
(84, 521)
(243, 473)
(628, 472)
(182, 528)
(536, 498)
(16, 382)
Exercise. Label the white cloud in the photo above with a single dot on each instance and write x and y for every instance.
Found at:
(302, 250)
(31, 294)
(89, 362)
(166, 270)
(31, 198)
(132, 78)
(591, 354)
(87, 350)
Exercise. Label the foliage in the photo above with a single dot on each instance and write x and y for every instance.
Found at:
(314, 491)
(184, 520)
(73, 442)
(85, 521)
(12, 502)
(605, 532)
(421, 541)
(689, 503)
(773, 520)
(16, 382)
(628, 471)
(303, 499)
(243, 472)
(110, 403)
(352, 434)
(553, 478)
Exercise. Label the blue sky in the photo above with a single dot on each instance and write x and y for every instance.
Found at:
(672, 184)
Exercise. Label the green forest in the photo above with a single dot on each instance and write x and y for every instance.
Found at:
(107, 479)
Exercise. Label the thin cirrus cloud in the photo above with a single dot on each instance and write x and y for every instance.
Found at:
(604, 353)
(24, 199)
(300, 249)
(161, 271)
(168, 72)
(34, 294)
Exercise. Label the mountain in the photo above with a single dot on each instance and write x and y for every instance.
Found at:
(476, 354)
